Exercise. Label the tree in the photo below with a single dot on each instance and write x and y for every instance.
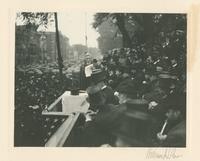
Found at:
(159, 34)
(34, 20)
(110, 36)
(119, 20)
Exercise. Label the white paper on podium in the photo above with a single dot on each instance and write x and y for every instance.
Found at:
(74, 103)
(88, 70)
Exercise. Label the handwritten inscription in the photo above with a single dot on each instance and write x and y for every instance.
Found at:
(164, 154)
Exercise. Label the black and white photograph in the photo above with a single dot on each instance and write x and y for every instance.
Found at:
(100, 79)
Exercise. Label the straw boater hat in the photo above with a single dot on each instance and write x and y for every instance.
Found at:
(88, 55)
(167, 75)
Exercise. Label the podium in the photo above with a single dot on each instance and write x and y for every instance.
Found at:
(61, 117)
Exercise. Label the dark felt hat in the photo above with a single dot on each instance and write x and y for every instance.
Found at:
(165, 75)
(136, 124)
(128, 87)
(95, 95)
(166, 80)
(159, 69)
(98, 75)
(138, 108)
(151, 71)
(175, 101)
(93, 89)
(135, 128)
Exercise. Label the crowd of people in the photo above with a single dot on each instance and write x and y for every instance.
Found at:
(125, 62)
(135, 101)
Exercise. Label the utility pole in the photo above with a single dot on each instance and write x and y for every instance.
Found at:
(60, 60)
(86, 31)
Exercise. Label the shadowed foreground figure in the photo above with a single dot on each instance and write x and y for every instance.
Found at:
(174, 133)
(123, 125)
(169, 111)
(100, 120)
(136, 124)
(131, 123)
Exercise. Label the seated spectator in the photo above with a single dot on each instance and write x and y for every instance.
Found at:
(135, 128)
(100, 119)
(173, 132)
(136, 124)
(104, 118)
(127, 89)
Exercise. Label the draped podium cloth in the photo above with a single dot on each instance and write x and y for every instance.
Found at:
(58, 125)
(74, 103)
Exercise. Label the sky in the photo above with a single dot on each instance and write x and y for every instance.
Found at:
(75, 25)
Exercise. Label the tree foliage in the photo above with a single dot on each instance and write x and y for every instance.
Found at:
(119, 20)
(35, 19)
(159, 34)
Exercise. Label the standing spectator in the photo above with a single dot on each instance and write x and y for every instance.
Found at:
(98, 78)
(86, 71)
(95, 64)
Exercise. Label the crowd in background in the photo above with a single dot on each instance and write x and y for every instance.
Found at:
(140, 100)
(120, 64)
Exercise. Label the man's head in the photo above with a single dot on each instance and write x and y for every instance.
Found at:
(134, 129)
(173, 114)
(127, 90)
(121, 142)
(88, 57)
(98, 76)
(150, 74)
(167, 82)
(96, 97)
(95, 63)
(176, 107)
(122, 98)
(118, 72)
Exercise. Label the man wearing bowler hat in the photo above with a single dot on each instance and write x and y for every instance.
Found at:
(98, 77)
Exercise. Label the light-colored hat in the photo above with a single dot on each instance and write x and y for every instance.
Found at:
(88, 55)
